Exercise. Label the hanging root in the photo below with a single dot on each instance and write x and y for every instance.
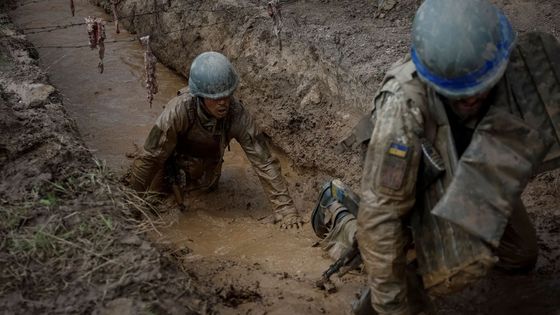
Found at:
(115, 15)
(150, 69)
(275, 12)
(72, 8)
(96, 34)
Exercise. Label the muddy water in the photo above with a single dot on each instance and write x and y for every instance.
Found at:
(113, 116)
(110, 108)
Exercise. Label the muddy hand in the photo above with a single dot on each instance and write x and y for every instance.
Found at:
(291, 221)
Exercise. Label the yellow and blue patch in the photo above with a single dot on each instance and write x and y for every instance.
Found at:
(399, 150)
(394, 166)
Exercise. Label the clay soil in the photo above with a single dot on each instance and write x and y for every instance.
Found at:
(75, 240)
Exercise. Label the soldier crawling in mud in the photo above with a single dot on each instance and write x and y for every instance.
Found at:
(191, 134)
(459, 126)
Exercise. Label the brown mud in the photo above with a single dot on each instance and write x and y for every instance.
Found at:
(71, 239)
(306, 97)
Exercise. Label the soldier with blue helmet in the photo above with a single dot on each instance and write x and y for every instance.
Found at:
(457, 129)
(193, 131)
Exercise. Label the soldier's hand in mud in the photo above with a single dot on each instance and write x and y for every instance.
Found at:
(289, 220)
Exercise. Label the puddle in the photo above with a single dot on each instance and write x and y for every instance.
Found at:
(110, 108)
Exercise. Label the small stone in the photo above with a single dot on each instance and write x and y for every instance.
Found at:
(32, 94)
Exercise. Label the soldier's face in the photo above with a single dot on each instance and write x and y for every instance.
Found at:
(218, 107)
(470, 106)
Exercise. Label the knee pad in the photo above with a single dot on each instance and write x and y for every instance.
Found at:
(335, 201)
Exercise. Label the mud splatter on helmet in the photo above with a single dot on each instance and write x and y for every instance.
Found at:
(212, 76)
(461, 48)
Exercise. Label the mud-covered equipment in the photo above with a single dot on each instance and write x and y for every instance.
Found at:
(461, 48)
(212, 76)
(349, 260)
(336, 207)
(176, 178)
(322, 220)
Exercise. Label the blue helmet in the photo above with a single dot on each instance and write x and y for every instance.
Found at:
(461, 48)
(212, 76)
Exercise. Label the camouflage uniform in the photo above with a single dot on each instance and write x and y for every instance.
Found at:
(389, 194)
(196, 140)
(381, 235)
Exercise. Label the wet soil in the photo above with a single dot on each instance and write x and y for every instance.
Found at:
(70, 240)
(306, 97)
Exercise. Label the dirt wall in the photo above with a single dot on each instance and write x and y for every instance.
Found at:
(39, 142)
(302, 95)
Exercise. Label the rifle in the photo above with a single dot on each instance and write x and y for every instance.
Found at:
(349, 260)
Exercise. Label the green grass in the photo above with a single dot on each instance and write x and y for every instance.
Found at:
(49, 200)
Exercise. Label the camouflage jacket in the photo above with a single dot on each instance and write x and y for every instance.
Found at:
(174, 126)
(479, 187)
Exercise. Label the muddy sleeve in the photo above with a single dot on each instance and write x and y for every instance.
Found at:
(388, 195)
(267, 167)
(160, 144)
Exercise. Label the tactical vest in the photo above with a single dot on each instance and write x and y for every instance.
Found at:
(199, 151)
(197, 141)
(462, 214)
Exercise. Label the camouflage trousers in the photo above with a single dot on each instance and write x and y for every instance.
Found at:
(341, 233)
(517, 251)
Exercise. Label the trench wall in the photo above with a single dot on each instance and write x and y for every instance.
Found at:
(310, 94)
(304, 100)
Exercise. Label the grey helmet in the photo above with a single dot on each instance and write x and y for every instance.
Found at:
(212, 76)
(461, 47)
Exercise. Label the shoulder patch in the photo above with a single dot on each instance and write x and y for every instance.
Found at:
(394, 166)
(397, 149)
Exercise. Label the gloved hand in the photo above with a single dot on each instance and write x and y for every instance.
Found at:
(288, 220)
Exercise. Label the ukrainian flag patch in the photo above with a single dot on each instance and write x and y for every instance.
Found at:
(394, 165)
(399, 150)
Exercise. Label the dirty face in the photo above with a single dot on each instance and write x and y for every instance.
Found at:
(217, 107)
(468, 107)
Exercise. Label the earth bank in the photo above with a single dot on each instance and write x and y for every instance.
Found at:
(309, 94)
